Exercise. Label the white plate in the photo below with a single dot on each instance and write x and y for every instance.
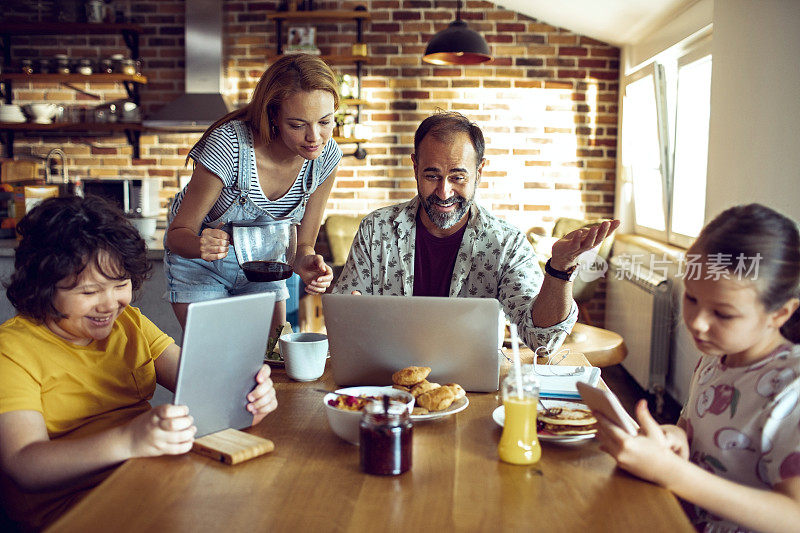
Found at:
(274, 362)
(456, 407)
(279, 363)
(499, 416)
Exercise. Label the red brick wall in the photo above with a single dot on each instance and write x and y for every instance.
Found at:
(547, 103)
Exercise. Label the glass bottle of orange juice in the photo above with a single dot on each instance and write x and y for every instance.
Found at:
(519, 443)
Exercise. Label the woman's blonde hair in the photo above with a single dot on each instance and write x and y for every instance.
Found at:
(287, 76)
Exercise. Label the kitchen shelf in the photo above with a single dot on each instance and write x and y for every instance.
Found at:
(349, 140)
(132, 130)
(130, 34)
(72, 126)
(131, 82)
(74, 78)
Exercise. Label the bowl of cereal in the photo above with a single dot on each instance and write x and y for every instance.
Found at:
(344, 409)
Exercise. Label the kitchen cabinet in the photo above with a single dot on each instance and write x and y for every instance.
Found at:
(359, 15)
(131, 82)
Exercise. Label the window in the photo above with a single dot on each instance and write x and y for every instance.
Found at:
(642, 145)
(691, 148)
(665, 117)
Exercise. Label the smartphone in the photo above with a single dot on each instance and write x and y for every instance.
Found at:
(606, 402)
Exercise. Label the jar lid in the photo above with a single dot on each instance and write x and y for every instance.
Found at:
(395, 409)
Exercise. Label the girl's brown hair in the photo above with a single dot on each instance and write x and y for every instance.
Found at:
(287, 76)
(758, 233)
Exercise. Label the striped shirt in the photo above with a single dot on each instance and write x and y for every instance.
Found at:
(219, 153)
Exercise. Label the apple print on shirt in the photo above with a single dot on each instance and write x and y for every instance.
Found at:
(717, 399)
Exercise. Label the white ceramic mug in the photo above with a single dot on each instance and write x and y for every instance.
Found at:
(304, 355)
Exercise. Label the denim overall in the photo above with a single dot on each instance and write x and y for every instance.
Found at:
(195, 280)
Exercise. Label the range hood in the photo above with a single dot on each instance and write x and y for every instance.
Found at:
(202, 104)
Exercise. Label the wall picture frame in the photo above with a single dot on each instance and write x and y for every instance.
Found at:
(301, 39)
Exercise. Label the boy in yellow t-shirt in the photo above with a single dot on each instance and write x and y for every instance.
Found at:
(78, 364)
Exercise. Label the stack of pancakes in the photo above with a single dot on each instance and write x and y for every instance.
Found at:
(566, 421)
(429, 396)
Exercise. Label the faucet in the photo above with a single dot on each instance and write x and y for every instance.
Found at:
(48, 172)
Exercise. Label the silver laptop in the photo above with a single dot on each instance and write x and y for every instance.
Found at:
(371, 337)
(224, 343)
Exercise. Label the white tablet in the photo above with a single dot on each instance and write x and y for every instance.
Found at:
(224, 343)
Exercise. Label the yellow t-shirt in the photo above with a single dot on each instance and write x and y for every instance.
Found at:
(80, 389)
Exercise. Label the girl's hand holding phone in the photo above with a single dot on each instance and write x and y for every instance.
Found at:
(651, 453)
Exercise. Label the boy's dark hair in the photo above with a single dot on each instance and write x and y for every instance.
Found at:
(444, 124)
(60, 237)
(756, 231)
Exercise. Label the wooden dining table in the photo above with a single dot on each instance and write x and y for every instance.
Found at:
(312, 482)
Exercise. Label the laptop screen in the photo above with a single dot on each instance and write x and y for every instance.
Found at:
(371, 337)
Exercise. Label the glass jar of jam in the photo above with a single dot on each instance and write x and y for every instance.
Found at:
(385, 440)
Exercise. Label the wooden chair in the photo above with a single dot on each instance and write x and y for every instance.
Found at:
(341, 230)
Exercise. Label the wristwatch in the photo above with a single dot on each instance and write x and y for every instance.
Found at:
(566, 275)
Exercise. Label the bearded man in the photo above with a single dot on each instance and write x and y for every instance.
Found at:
(454, 247)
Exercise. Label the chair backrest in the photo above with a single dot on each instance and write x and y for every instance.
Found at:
(341, 229)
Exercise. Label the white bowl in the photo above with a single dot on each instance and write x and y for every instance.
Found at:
(345, 423)
(43, 112)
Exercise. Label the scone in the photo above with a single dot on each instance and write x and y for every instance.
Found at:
(401, 387)
(457, 389)
(437, 399)
(419, 411)
(422, 387)
(411, 375)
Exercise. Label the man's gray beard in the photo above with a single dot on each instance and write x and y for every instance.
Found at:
(446, 220)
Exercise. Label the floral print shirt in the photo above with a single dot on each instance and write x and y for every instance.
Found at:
(742, 424)
(495, 260)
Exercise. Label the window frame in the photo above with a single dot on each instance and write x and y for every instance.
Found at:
(694, 54)
(664, 68)
(659, 87)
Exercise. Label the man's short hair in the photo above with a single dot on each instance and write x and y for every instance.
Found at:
(444, 124)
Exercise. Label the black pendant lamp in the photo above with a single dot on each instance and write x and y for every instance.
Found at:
(457, 45)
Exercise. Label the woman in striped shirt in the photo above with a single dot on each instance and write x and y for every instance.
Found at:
(274, 157)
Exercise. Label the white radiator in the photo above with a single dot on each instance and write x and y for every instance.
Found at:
(639, 307)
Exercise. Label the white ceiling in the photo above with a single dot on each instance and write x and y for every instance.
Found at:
(617, 22)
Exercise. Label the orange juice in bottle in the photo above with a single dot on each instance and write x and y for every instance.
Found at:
(519, 443)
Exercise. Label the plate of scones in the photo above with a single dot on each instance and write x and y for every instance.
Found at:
(431, 400)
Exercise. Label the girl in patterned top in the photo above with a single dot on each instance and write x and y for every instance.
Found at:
(734, 457)
(273, 158)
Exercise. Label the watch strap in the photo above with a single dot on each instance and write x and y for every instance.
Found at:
(566, 275)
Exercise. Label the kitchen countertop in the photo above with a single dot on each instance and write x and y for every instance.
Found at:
(155, 246)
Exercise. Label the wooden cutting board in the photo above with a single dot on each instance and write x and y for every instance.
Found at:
(231, 446)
